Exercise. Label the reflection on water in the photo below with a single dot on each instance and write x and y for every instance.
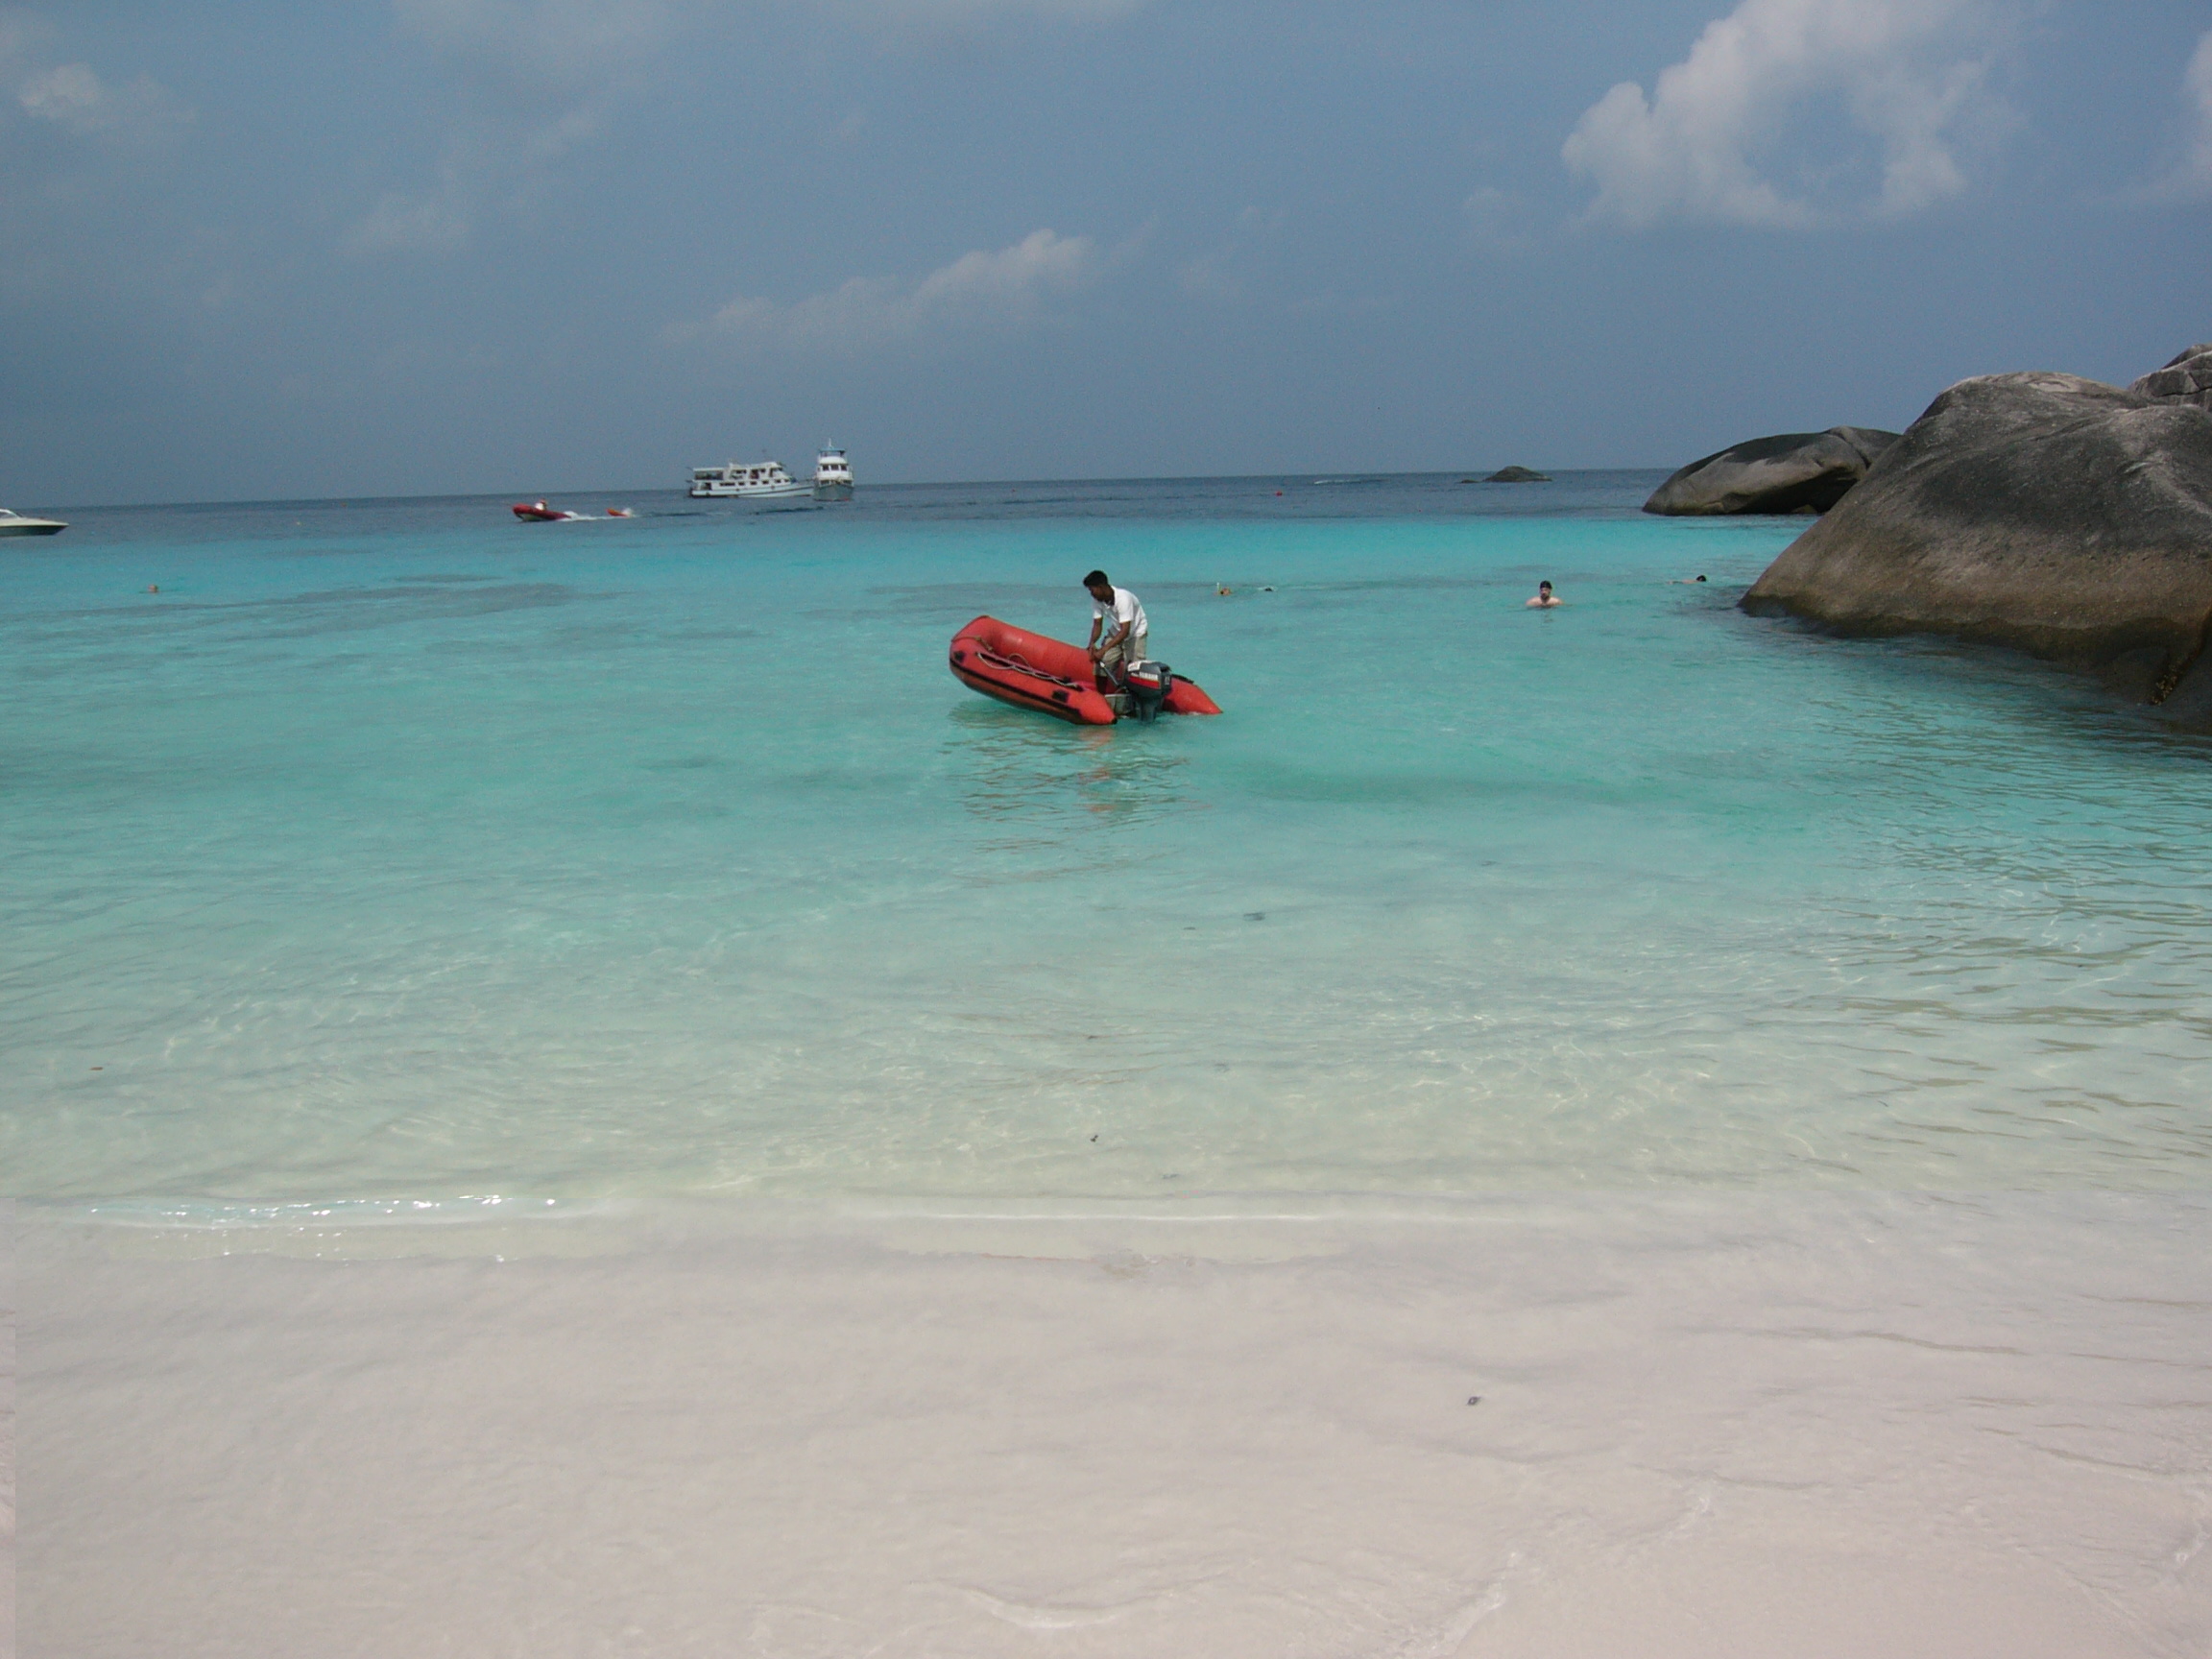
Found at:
(1047, 778)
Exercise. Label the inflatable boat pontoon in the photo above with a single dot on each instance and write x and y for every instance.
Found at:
(1034, 671)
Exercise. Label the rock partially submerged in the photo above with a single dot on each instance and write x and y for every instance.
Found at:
(1789, 473)
(2043, 512)
(2187, 380)
(1517, 475)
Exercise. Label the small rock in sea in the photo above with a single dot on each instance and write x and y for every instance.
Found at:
(1517, 475)
(1789, 473)
(1255, 915)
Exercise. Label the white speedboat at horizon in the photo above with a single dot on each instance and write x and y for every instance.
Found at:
(19, 524)
(833, 477)
(749, 480)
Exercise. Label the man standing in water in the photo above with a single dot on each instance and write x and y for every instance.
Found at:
(1117, 628)
(1545, 600)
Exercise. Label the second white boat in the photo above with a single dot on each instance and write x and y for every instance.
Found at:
(833, 477)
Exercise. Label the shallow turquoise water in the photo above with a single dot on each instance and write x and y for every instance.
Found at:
(401, 856)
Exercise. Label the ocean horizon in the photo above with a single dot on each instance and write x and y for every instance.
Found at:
(881, 492)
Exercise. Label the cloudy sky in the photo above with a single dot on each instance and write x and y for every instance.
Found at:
(392, 247)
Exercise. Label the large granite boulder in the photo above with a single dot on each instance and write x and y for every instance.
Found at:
(1790, 473)
(2043, 512)
(2187, 380)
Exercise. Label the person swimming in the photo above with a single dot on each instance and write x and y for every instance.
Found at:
(1545, 599)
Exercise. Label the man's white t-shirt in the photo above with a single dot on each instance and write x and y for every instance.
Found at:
(1125, 609)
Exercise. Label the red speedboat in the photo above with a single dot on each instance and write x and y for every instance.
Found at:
(1033, 671)
(539, 513)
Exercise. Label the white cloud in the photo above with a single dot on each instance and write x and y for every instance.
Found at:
(1498, 220)
(484, 158)
(1209, 277)
(1000, 288)
(960, 14)
(434, 222)
(72, 98)
(537, 77)
(2198, 82)
(1214, 275)
(1908, 72)
(552, 47)
(2192, 179)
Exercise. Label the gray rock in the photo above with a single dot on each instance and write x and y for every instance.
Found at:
(1517, 475)
(1790, 473)
(2187, 380)
(2043, 512)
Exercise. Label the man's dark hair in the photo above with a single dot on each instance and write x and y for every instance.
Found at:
(1097, 579)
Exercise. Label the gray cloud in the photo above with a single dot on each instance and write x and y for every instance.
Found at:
(1002, 287)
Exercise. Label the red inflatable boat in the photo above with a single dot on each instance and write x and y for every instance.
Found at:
(1032, 671)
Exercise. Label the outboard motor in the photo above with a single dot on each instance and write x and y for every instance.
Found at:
(1148, 684)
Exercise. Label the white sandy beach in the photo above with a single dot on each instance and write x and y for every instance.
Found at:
(1710, 1425)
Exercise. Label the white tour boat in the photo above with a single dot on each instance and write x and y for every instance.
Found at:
(753, 480)
(833, 477)
(16, 524)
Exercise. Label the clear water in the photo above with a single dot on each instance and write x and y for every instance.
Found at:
(398, 856)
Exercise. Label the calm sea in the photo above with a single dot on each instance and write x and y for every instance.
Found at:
(397, 857)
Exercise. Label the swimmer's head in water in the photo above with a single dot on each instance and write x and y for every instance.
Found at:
(1543, 587)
